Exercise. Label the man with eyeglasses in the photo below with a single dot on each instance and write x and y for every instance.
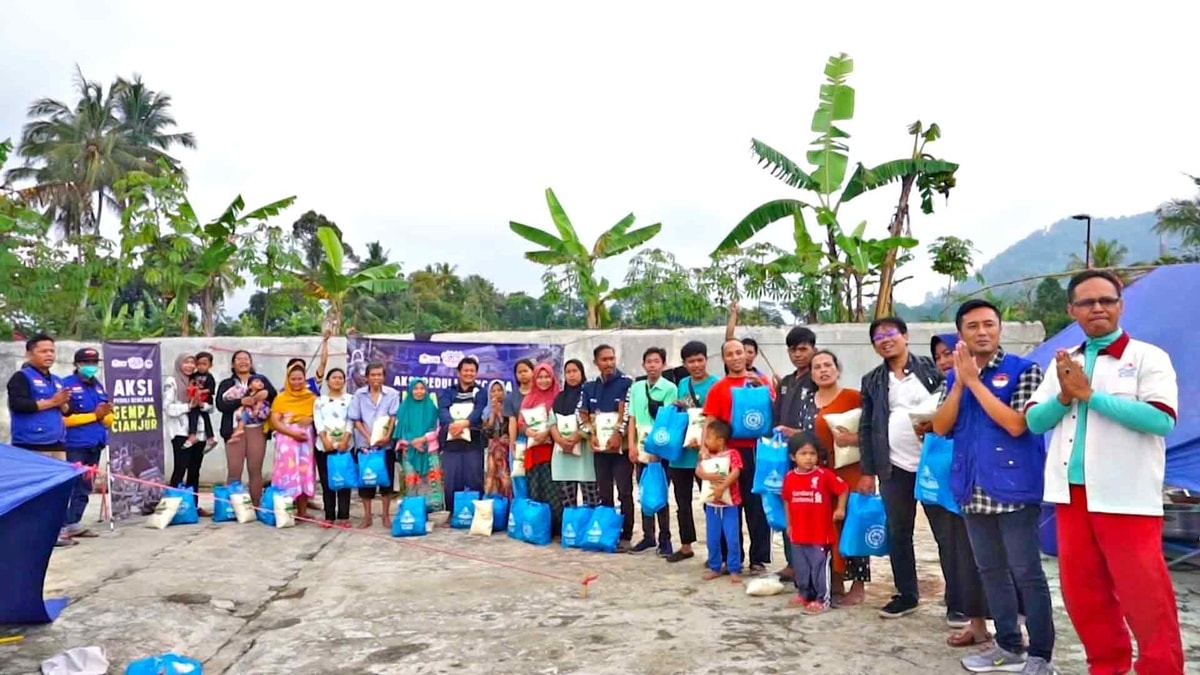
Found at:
(891, 447)
(1110, 402)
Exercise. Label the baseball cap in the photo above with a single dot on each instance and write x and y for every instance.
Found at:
(87, 355)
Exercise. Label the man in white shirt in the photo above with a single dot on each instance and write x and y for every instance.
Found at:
(1110, 402)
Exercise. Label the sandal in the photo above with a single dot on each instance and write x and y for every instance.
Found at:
(967, 639)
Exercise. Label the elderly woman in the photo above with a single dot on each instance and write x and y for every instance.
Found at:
(292, 420)
(248, 451)
(417, 445)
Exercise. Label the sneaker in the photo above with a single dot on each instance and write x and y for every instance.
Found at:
(898, 607)
(996, 660)
(666, 551)
(680, 556)
(64, 542)
(1036, 665)
(957, 620)
(644, 545)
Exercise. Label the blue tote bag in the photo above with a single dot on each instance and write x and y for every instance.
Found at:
(187, 514)
(520, 486)
(499, 512)
(750, 415)
(665, 439)
(776, 512)
(266, 508)
(516, 513)
(575, 520)
(373, 469)
(933, 473)
(865, 531)
(464, 509)
(342, 471)
(411, 517)
(222, 505)
(653, 488)
(604, 531)
(770, 465)
(536, 525)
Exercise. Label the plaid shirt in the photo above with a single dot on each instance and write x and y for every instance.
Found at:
(981, 504)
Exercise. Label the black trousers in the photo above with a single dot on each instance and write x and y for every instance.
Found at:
(683, 481)
(901, 508)
(330, 498)
(756, 519)
(613, 469)
(188, 459)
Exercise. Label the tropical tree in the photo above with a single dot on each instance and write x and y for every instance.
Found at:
(304, 232)
(827, 189)
(661, 293)
(1181, 217)
(565, 252)
(1105, 253)
(953, 258)
(331, 284)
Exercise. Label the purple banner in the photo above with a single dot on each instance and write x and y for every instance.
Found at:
(133, 377)
(436, 362)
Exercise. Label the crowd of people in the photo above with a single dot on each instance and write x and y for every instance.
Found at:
(579, 438)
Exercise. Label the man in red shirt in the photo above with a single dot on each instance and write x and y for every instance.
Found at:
(809, 491)
(719, 405)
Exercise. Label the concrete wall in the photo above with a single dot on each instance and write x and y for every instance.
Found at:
(848, 341)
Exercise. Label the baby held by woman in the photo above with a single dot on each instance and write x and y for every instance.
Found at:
(254, 414)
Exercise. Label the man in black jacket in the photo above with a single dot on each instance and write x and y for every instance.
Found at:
(891, 447)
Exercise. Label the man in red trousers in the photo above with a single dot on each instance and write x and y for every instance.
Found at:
(1110, 402)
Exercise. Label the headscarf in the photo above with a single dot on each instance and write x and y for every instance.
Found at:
(416, 418)
(948, 339)
(289, 401)
(541, 397)
(567, 401)
(182, 382)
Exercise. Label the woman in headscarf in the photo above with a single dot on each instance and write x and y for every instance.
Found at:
(534, 424)
(572, 467)
(187, 458)
(416, 441)
(292, 420)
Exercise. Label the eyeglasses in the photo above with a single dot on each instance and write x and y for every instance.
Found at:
(1088, 303)
(884, 335)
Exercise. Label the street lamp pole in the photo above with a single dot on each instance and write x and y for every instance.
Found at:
(1087, 255)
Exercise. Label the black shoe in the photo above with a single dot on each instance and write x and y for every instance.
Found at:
(644, 545)
(680, 556)
(898, 607)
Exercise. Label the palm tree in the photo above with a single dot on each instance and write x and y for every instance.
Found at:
(332, 284)
(1181, 217)
(566, 251)
(1106, 253)
(145, 116)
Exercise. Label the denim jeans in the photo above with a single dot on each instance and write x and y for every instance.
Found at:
(901, 508)
(1006, 551)
(82, 487)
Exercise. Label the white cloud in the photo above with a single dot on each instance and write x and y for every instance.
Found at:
(430, 125)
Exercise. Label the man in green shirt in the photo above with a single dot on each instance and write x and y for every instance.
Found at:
(645, 398)
(690, 393)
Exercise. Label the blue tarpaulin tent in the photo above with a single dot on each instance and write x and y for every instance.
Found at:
(1161, 308)
(33, 498)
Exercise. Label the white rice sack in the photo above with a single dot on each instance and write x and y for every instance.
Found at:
(695, 429)
(845, 455)
(285, 511)
(764, 586)
(481, 524)
(164, 512)
(243, 507)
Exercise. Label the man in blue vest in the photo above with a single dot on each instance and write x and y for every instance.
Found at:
(36, 403)
(88, 418)
(997, 479)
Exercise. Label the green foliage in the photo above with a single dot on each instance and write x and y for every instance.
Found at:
(1181, 218)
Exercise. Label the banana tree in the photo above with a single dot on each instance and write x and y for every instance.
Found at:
(864, 257)
(330, 284)
(568, 252)
(827, 187)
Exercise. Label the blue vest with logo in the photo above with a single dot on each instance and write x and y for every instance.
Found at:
(985, 455)
(85, 396)
(45, 427)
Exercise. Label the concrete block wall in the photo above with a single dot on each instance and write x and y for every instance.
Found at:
(849, 341)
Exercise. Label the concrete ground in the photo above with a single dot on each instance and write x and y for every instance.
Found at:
(248, 599)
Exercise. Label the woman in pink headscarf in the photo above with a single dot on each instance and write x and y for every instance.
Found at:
(533, 422)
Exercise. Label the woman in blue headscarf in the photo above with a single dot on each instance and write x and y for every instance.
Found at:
(416, 442)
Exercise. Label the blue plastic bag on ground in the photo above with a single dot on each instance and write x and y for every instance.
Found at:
(266, 508)
(536, 526)
(520, 486)
(410, 518)
(515, 512)
(933, 473)
(665, 439)
(222, 507)
(464, 509)
(341, 472)
(865, 531)
(575, 520)
(653, 488)
(499, 512)
(372, 469)
(187, 514)
(771, 464)
(604, 530)
(750, 415)
(165, 664)
(776, 512)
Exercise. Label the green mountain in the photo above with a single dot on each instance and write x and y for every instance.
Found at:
(1048, 251)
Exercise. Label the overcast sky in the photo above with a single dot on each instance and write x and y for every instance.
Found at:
(430, 125)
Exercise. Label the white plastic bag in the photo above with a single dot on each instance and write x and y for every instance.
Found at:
(379, 431)
(695, 429)
(535, 419)
(481, 524)
(568, 426)
(458, 413)
(164, 512)
(605, 425)
(844, 455)
(285, 511)
(720, 467)
(764, 586)
(243, 507)
(518, 466)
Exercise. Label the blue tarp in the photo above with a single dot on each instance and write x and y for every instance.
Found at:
(33, 499)
(1160, 308)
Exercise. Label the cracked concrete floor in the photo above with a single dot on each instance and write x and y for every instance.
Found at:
(248, 599)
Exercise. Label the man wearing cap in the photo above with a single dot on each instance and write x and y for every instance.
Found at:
(88, 417)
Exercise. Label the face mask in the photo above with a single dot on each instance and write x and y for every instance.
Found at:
(89, 371)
